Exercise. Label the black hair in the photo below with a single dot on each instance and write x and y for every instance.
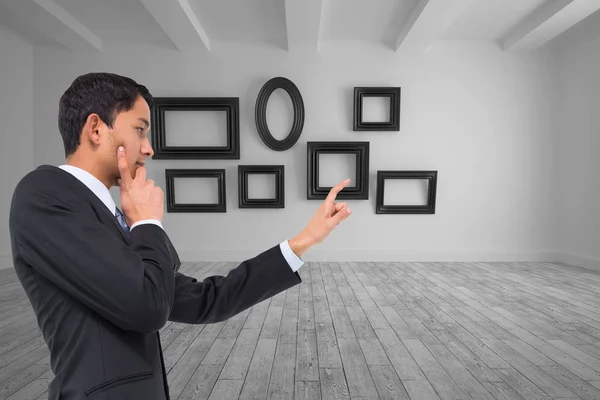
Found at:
(105, 94)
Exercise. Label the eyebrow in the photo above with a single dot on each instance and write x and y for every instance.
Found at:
(145, 121)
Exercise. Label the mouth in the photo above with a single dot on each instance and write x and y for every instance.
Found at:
(140, 164)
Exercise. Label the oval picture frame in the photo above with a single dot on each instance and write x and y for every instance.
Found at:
(260, 113)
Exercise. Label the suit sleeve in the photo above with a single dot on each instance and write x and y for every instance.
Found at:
(218, 298)
(131, 286)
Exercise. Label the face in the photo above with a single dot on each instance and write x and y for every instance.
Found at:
(130, 130)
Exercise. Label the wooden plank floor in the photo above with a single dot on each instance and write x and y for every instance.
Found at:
(368, 331)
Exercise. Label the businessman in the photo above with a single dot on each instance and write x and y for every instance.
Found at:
(102, 281)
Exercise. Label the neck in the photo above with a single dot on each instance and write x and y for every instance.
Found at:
(94, 168)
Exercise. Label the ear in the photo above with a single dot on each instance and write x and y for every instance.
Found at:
(91, 129)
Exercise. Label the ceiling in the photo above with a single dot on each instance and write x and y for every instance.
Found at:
(91, 25)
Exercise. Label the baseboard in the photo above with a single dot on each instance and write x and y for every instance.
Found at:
(6, 261)
(575, 260)
(354, 255)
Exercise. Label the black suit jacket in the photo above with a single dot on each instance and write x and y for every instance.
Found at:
(100, 298)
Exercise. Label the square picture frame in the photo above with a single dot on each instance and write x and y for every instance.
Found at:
(429, 208)
(393, 93)
(361, 149)
(174, 207)
(158, 132)
(277, 202)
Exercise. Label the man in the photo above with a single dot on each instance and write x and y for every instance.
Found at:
(103, 281)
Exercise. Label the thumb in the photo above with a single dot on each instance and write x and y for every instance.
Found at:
(342, 214)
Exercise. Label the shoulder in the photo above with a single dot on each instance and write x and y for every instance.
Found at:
(46, 183)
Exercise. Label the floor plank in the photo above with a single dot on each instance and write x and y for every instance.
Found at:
(367, 330)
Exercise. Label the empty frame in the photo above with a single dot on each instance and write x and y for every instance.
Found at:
(277, 201)
(428, 208)
(359, 149)
(173, 206)
(229, 105)
(392, 123)
(260, 114)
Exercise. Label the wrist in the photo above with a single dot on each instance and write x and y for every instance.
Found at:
(299, 245)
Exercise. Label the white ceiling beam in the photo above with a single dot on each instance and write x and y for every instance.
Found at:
(303, 23)
(180, 22)
(428, 21)
(550, 20)
(56, 23)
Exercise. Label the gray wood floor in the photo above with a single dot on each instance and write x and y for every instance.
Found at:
(368, 331)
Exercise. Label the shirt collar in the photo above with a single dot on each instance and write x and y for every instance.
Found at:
(93, 184)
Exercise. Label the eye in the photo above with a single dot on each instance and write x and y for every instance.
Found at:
(141, 130)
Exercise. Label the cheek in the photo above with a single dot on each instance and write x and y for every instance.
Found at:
(117, 141)
(132, 146)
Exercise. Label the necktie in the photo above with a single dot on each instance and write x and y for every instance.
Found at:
(121, 218)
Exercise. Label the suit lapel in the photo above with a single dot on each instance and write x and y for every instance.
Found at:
(117, 225)
(105, 214)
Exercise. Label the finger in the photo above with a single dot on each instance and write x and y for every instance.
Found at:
(123, 167)
(140, 174)
(335, 190)
(341, 215)
(336, 208)
(150, 182)
(339, 206)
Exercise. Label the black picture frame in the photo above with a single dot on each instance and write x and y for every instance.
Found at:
(393, 93)
(360, 149)
(227, 104)
(277, 202)
(429, 208)
(260, 114)
(173, 207)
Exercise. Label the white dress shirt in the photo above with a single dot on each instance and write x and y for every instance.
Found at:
(103, 194)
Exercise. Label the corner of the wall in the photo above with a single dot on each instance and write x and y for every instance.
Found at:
(6, 261)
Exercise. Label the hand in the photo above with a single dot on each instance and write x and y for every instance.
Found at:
(323, 222)
(140, 199)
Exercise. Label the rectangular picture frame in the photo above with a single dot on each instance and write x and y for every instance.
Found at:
(245, 202)
(174, 207)
(360, 149)
(158, 131)
(429, 208)
(393, 93)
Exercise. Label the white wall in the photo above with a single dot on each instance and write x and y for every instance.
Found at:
(479, 116)
(16, 125)
(577, 158)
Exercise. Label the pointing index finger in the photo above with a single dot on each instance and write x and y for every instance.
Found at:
(123, 167)
(336, 189)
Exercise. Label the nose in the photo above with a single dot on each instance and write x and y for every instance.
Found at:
(147, 150)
